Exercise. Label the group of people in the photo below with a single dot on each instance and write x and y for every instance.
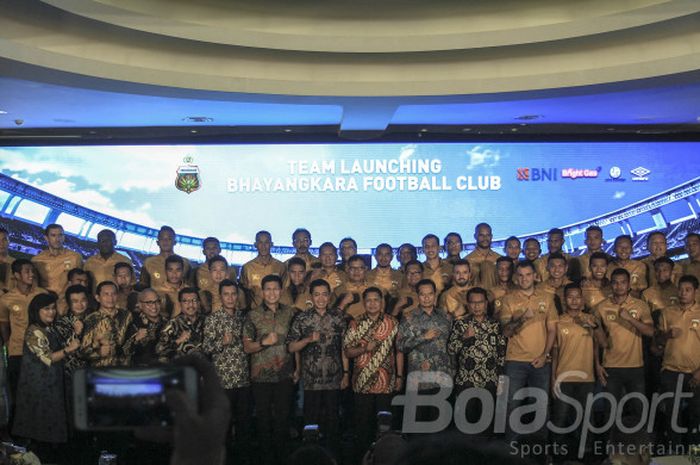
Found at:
(348, 337)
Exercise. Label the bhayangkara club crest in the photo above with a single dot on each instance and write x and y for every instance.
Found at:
(187, 179)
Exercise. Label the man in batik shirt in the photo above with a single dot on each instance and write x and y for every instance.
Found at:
(264, 337)
(105, 330)
(370, 342)
(479, 347)
(318, 335)
(183, 334)
(223, 341)
(144, 332)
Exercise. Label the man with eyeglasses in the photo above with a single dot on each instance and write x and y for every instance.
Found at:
(479, 347)
(408, 297)
(184, 333)
(301, 240)
(144, 332)
(348, 296)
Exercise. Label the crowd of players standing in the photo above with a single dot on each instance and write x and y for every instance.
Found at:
(334, 327)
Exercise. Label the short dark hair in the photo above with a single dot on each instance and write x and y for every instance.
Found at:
(477, 290)
(662, 260)
(554, 231)
(511, 238)
(525, 264)
(532, 239)
(571, 286)
(37, 303)
(426, 282)
(166, 228)
(318, 283)
(688, 278)
(383, 245)
(505, 259)
(175, 259)
(51, 226)
(692, 234)
(296, 261)
(592, 228)
(410, 247)
(622, 237)
(19, 263)
(211, 239)
(217, 258)
(76, 271)
(357, 258)
(104, 284)
(301, 231)
(262, 233)
(655, 233)
(453, 234)
(76, 289)
(271, 278)
(348, 239)
(226, 283)
(482, 225)
(430, 236)
(620, 272)
(414, 263)
(187, 290)
(556, 256)
(328, 244)
(462, 262)
(599, 256)
(119, 265)
(372, 289)
(107, 231)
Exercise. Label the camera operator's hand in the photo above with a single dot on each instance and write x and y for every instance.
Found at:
(197, 436)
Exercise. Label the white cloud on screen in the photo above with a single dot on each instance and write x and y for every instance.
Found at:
(235, 237)
(618, 195)
(407, 151)
(94, 200)
(114, 168)
(482, 157)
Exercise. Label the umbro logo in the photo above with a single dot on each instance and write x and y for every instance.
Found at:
(640, 173)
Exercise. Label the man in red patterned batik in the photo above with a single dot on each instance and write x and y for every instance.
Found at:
(370, 342)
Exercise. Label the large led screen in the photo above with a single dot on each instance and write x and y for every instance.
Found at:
(375, 193)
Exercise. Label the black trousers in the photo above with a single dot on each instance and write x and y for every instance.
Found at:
(563, 416)
(688, 411)
(365, 418)
(240, 400)
(321, 408)
(623, 381)
(14, 363)
(272, 419)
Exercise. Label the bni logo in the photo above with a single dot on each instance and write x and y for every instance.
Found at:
(536, 174)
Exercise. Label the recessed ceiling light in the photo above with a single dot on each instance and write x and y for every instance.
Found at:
(287, 130)
(424, 130)
(193, 131)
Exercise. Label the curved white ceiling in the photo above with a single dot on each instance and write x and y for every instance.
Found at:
(344, 48)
